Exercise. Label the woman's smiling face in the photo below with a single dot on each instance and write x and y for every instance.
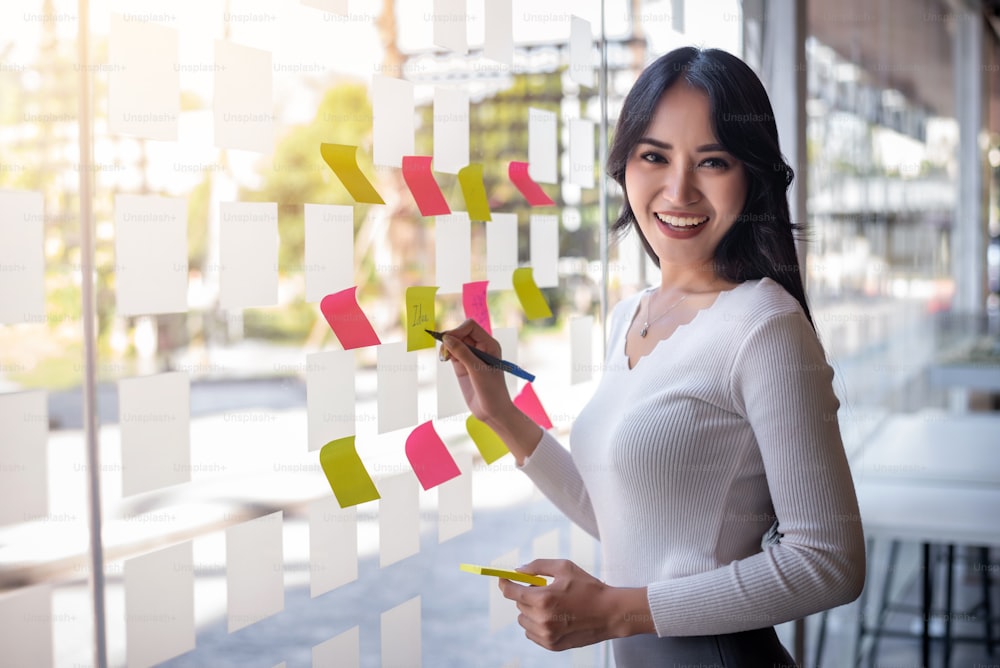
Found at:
(685, 190)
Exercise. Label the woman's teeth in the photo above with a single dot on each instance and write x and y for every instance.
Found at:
(675, 221)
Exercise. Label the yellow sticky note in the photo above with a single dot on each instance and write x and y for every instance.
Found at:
(346, 473)
(509, 574)
(419, 317)
(343, 160)
(474, 191)
(490, 446)
(532, 300)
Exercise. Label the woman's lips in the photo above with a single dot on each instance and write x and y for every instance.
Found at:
(680, 221)
(680, 227)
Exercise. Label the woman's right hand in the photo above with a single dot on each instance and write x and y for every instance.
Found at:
(485, 389)
(483, 386)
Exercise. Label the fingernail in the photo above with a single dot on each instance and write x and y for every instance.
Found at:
(443, 354)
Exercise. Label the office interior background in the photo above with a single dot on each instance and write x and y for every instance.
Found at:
(222, 543)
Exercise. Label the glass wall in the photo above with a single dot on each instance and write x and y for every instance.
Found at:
(218, 228)
(882, 187)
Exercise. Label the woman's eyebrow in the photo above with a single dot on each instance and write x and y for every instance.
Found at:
(705, 148)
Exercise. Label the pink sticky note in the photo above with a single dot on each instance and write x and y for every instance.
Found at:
(429, 457)
(528, 402)
(347, 320)
(426, 192)
(518, 173)
(474, 302)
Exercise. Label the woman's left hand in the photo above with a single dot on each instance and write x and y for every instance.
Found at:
(576, 609)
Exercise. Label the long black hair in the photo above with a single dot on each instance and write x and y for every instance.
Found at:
(760, 243)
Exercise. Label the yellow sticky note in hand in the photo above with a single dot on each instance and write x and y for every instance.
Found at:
(490, 446)
(506, 573)
(419, 317)
(531, 297)
(346, 473)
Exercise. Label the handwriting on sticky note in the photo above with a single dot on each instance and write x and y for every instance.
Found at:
(425, 190)
(518, 173)
(347, 320)
(474, 303)
(346, 473)
(490, 446)
(343, 160)
(531, 297)
(470, 178)
(429, 457)
(528, 402)
(419, 317)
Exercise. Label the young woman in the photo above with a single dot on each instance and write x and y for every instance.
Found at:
(709, 462)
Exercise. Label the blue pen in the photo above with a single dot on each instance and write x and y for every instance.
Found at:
(494, 362)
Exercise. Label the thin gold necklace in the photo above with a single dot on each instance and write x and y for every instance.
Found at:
(647, 322)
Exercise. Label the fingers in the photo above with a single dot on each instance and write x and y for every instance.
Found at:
(471, 333)
(515, 592)
(551, 567)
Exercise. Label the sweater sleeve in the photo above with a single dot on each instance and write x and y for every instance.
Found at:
(782, 385)
(553, 471)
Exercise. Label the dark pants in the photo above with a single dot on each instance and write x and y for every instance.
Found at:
(759, 648)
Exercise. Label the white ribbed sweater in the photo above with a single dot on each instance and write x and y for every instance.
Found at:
(680, 465)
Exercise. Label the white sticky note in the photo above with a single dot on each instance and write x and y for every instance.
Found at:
(255, 580)
(546, 545)
(455, 500)
(542, 126)
(26, 620)
(343, 651)
(330, 396)
(151, 254)
(581, 58)
(329, 249)
(581, 152)
(144, 90)
(398, 518)
(451, 129)
(22, 257)
(449, 393)
(155, 417)
(501, 251)
(401, 635)
(244, 99)
(498, 41)
(453, 252)
(397, 387)
(503, 612)
(507, 338)
(544, 245)
(248, 233)
(333, 545)
(159, 605)
(450, 25)
(24, 423)
(333, 6)
(581, 348)
(393, 121)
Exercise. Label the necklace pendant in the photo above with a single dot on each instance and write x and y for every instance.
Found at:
(644, 330)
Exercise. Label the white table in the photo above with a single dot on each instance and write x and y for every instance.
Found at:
(933, 447)
(930, 512)
(931, 477)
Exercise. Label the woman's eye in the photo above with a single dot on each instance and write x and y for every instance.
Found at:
(715, 163)
(652, 157)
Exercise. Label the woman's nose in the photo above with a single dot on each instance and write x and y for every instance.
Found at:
(679, 188)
